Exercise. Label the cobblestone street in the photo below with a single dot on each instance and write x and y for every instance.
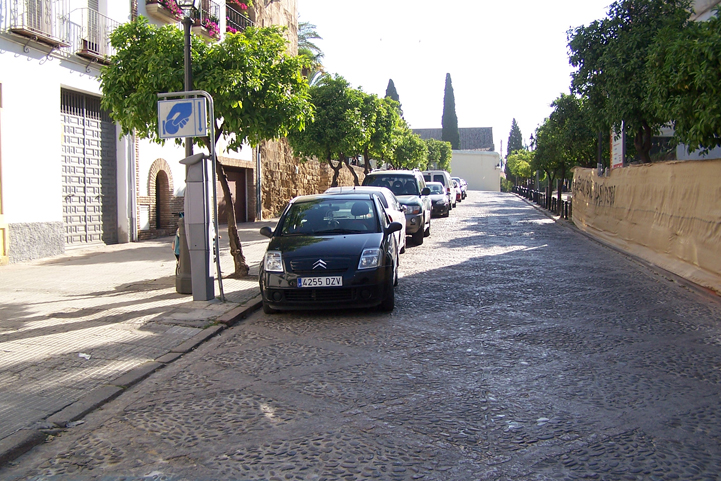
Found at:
(519, 349)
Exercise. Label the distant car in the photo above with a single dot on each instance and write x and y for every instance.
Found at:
(330, 251)
(393, 208)
(464, 186)
(457, 190)
(439, 199)
(444, 178)
(410, 189)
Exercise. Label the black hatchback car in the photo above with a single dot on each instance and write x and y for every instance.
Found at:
(330, 251)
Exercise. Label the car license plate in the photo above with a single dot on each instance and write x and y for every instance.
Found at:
(334, 281)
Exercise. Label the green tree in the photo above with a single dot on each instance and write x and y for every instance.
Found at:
(257, 88)
(410, 151)
(393, 95)
(519, 164)
(610, 57)
(686, 82)
(439, 154)
(515, 142)
(515, 139)
(449, 121)
(337, 131)
(381, 118)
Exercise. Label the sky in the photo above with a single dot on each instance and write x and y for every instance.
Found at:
(507, 59)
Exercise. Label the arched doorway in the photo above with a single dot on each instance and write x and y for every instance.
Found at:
(162, 201)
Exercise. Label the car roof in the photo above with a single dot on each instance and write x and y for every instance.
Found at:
(434, 183)
(316, 197)
(408, 173)
(358, 188)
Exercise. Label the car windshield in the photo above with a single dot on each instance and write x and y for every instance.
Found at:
(435, 188)
(398, 184)
(330, 216)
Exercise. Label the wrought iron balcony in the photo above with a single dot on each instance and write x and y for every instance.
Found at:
(207, 19)
(91, 34)
(43, 21)
(235, 20)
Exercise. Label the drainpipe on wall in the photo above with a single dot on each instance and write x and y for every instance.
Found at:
(258, 191)
(133, 188)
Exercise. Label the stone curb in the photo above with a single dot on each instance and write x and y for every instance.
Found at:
(84, 405)
(19, 443)
(136, 374)
(198, 339)
(234, 316)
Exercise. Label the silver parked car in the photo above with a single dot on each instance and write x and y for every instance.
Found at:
(393, 208)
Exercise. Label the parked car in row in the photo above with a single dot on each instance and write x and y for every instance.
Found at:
(444, 178)
(393, 208)
(464, 186)
(330, 251)
(439, 199)
(409, 187)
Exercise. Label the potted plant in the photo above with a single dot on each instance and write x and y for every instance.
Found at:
(164, 9)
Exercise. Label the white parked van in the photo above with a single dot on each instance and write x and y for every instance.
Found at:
(444, 178)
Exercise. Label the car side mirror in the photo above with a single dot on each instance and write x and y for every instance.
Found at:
(266, 231)
(393, 227)
(426, 191)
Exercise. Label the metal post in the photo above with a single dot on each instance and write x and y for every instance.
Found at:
(258, 192)
(187, 23)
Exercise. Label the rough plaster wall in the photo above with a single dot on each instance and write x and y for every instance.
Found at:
(35, 240)
(667, 213)
(285, 177)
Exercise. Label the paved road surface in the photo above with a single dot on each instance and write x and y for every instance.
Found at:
(519, 349)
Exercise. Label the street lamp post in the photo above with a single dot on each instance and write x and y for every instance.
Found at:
(188, 6)
(183, 278)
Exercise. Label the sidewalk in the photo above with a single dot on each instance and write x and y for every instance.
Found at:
(78, 329)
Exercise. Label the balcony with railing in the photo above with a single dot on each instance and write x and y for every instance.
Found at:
(90, 34)
(207, 19)
(236, 21)
(42, 21)
(164, 10)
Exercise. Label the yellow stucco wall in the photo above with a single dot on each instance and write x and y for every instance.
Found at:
(667, 213)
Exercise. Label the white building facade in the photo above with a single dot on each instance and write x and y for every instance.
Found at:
(66, 177)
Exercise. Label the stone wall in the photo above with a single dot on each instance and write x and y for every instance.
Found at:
(668, 213)
(285, 177)
(278, 12)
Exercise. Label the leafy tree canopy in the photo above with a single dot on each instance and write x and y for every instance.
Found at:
(410, 150)
(258, 90)
(439, 154)
(686, 82)
(519, 163)
(610, 56)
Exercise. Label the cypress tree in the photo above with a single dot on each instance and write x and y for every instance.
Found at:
(515, 139)
(391, 91)
(449, 122)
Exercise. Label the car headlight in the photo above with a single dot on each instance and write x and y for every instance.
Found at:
(413, 209)
(273, 261)
(370, 258)
(440, 202)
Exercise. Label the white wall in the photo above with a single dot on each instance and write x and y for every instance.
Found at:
(32, 131)
(478, 168)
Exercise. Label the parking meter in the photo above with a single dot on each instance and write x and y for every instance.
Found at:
(197, 226)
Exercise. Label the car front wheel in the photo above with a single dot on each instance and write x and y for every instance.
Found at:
(389, 301)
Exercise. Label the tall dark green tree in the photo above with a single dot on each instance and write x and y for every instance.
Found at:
(515, 139)
(391, 91)
(515, 142)
(449, 122)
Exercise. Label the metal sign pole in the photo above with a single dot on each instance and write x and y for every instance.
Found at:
(213, 158)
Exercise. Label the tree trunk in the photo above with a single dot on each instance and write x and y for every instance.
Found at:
(366, 162)
(352, 171)
(336, 171)
(236, 249)
(642, 142)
